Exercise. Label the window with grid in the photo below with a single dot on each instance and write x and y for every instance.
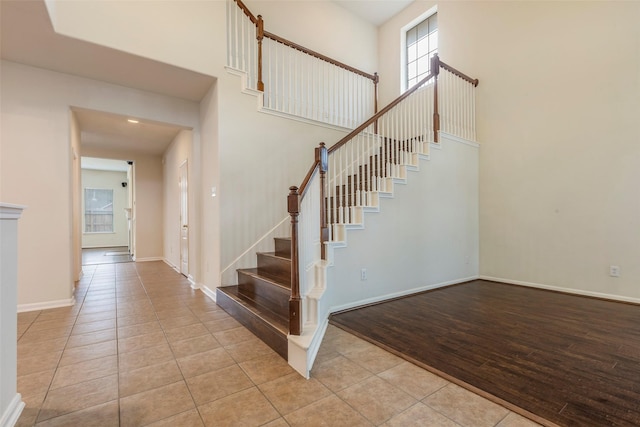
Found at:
(98, 210)
(422, 44)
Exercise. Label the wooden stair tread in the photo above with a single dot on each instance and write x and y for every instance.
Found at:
(260, 311)
(272, 280)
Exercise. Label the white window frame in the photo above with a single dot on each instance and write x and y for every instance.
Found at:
(403, 44)
(84, 211)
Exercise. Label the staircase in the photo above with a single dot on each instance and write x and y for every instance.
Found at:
(260, 301)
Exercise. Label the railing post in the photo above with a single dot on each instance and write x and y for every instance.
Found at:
(375, 100)
(260, 36)
(435, 69)
(322, 159)
(295, 302)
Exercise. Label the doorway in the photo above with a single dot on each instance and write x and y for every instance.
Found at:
(183, 182)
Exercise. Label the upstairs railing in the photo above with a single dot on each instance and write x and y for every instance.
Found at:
(348, 177)
(296, 80)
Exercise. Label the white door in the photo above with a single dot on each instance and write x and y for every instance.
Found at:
(184, 219)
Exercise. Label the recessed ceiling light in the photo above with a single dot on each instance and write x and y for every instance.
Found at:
(133, 121)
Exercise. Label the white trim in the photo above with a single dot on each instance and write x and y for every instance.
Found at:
(149, 259)
(103, 246)
(580, 292)
(46, 305)
(374, 300)
(267, 110)
(11, 211)
(208, 292)
(191, 280)
(175, 267)
(12, 413)
(303, 349)
(454, 138)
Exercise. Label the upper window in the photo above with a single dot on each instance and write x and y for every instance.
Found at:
(98, 210)
(422, 44)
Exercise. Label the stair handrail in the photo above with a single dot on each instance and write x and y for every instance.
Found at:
(320, 164)
(261, 33)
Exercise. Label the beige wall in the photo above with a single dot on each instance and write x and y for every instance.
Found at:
(36, 169)
(558, 106)
(108, 180)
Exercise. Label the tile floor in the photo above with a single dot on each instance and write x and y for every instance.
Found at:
(140, 347)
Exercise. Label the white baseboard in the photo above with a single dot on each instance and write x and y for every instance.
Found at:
(374, 300)
(149, 259)
(194, 284)
(46, 305)
(12, 412)
(208, 292)
(564, 290)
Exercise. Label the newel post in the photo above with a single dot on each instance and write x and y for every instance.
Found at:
(435, 69)
(259, 37)
(322, 159)
(295, 303)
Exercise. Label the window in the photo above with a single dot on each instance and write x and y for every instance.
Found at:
(98, 210)
(422, 44)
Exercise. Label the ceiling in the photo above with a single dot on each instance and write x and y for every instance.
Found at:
(27, 37)
(104, 164)
(376, 12)
(100, 129)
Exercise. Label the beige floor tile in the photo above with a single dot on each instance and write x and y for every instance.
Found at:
(51, 324)
(248, 350)
(95, 317)
(266, 368)
(420, 415)
(515, 420)
(79, 396)
(91, 338)
(189, 418)
(234, 336)
(201, 363)
(209, 316)
(292, 392)
(194, 345)
(414, 380)
(38, 363)
(28, 417)
(136, 319)
(233, 410)
(279, 422)
(154, 405)
(186, 332)
(339, 373)
(88, 352)
(126, 312)
(222, 325)
(46, 335)
(35, 384)
(98, 309)
(33, 348)
(139, 329)
(377, 399)
(85, 371)
(57, 313)
(173, 312)
(146, 357)
(104, 415)
(328, 412)
(374, 359)
(28, 316)
(465, 408)
(176, 322)
(85, 328)
(140, 342)
(218, 384)
(148, 378)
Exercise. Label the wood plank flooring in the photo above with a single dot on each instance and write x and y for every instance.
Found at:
(572, 360)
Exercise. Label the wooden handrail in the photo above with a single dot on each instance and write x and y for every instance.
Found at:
(379, 114)
(460, 74)
(372, 77)
(246, 11)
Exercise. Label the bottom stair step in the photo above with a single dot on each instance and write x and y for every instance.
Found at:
(265, 324)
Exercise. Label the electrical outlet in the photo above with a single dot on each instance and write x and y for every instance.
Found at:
(614, 271)
(363, 274)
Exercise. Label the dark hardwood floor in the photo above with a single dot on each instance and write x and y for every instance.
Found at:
(572, 360)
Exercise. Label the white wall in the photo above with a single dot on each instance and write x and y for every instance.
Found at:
(76, 198)
(425, 236)
(558, 106)
(36, 167)
(108, 180)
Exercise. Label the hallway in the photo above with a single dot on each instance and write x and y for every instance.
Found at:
(140, 347)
